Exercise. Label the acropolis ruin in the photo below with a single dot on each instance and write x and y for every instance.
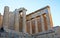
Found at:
(32, 24)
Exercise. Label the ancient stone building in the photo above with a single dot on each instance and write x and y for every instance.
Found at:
(39, 20)
(37, 24)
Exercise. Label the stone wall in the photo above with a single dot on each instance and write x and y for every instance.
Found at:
(53, 33)
(47, 34)
(13, 34)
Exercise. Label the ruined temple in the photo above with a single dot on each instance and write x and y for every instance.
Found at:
(32, 23)
(18, 24)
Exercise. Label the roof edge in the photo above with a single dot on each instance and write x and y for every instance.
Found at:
(38, 10)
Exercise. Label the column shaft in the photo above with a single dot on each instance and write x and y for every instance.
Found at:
(36, 29)
(24, 21)
(30, 27)
(42, 22)
(6, 17)
(48, 21)
(16, 20)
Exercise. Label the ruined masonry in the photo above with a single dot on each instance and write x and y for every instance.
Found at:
(37, 24)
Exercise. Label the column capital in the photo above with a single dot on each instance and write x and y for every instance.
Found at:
(6, 8)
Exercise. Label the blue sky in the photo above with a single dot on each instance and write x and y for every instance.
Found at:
(32, 5)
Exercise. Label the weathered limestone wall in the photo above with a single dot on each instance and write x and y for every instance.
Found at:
(52, 33)
(57, 31)
(12, 34)
(46, 34)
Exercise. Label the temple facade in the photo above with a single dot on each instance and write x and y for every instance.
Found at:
(18, 24)
(35, 22)
(39, 21)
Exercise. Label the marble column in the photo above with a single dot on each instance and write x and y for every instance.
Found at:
(48, 21)
(11, 20)
(30, 27)
(42, 23)
(24, 19)
(36, 29)
(6, 17)
(16, 20)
